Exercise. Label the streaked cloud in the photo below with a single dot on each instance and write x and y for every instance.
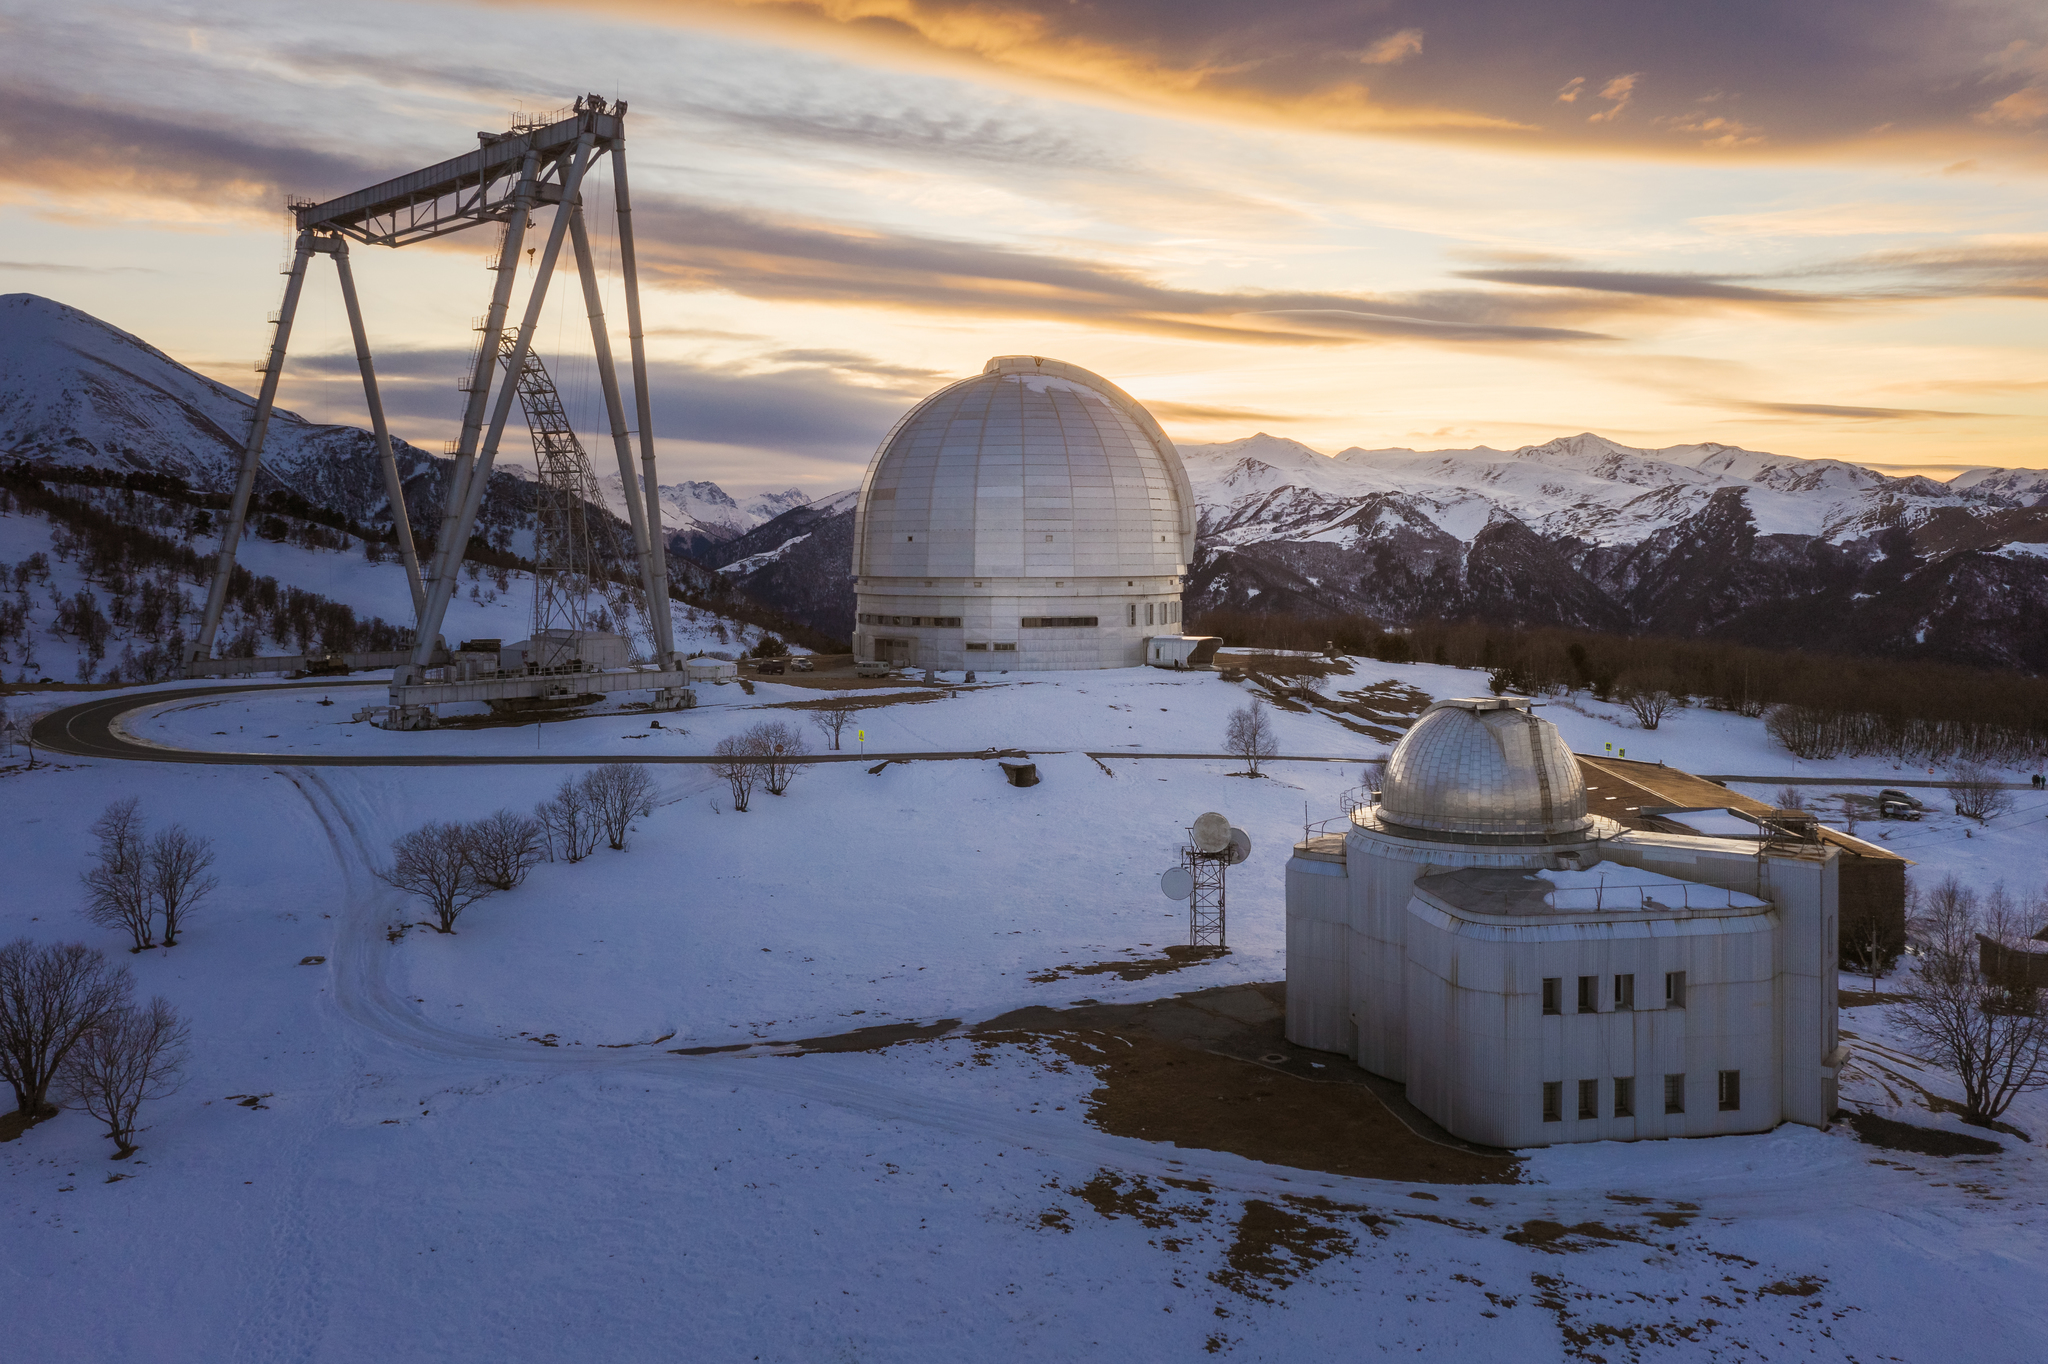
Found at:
(1393, 49)
(1838, 412)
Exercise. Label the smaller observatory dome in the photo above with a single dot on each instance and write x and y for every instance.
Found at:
(1485, 770)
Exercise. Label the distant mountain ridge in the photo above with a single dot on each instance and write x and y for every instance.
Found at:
(1582, 531)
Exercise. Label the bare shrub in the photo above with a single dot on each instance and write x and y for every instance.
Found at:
(1791, 798)
(569, 823)
(436, 863)
(179, 876)
(617, 793)
(133, 1055)
(1805, 731)
(777, 743)
(117, 890)
(1984, 1025)
(736, 761)
(1249, 736)
(49, 998)
(834, 716)
(1648, 697)
(1977, 791)
(505, 846)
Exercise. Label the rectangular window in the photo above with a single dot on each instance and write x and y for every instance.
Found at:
(1731, 1090)
(1625, 992)
(1589, 1098)
(977, 648)
(1057, 622)
(1553, 1101)
(1589, 994)
(1148, 613)
(1134, 613)
(1553, 994)
(1009, 648)
(1674, 1094)
(1674, 989)
(1624, 1096)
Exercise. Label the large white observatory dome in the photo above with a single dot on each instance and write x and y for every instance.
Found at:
(1032, 517)
(1485, 770)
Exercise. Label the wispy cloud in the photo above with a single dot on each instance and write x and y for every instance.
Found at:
(1393, 49)
(1620, 93)
(1837, 412)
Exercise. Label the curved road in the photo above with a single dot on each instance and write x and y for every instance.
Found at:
(88, 730)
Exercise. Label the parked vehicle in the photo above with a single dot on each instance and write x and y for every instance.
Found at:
(799, 665)
(1898, 805)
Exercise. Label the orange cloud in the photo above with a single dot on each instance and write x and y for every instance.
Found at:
(1622, 90)
(1393, 49)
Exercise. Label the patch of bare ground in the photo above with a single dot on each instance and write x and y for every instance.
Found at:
(1174, 959)
(1920, 1141)
(1212, 1070)
(12, 1125)
(899, 698)
(1863, 999)
(874, 1038)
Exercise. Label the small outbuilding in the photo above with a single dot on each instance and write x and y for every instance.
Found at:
(1181, 651)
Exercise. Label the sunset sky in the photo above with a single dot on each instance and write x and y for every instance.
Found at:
(1816, 228)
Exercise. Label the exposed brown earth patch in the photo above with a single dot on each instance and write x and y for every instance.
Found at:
(1175, 959)
(1556, 1238)
(13, 1125)
(1189, 1071)
(1920, 1141)
(1863, 999)
(876, 1038)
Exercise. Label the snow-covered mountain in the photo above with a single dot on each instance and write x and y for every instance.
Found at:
(1584, 531)
(699, 516)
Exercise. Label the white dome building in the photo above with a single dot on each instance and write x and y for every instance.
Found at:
(1536, 974)
(1033, 517)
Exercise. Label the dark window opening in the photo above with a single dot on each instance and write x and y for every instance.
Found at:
(1058, 622)
(1589, 1098)
(1674, 1094)
(1553, 1101)
(1589, 994)
(1624, 1096)
(1625, 992)
(1553, 994)
(1674, 989)
(1731, 1090)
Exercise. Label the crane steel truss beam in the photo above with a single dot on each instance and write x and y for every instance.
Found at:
(540, 162)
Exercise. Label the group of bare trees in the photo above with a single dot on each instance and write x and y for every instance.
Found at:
(450, 866)
(766, 754)
(137, 880)
(67, 1026)
(1977, 1001)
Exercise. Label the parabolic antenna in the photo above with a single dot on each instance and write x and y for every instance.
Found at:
(1178, 883)
(1212, 832)
(1240, 846)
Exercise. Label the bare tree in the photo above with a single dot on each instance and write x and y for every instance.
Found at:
(1249, 735)
(117, 886)
(777, 743)
(133, 1055)
(435, 862)
(1976, 790)
(735, 760)
(617, 793)
(179, 876)
(1649, 698)
(1984, 1024)
(1791, 798)
(49, 998)
(834, 716)
(570, 824)
(504, 846)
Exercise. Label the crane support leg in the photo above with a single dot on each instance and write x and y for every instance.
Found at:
(394, 487)
(642, 405)
(645, 519)
(464, 502)
(252, 455)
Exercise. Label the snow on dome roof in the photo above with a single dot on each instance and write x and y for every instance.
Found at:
(1033, 468)
(1485, 766)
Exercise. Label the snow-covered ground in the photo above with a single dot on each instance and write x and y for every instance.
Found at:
(421, 1180)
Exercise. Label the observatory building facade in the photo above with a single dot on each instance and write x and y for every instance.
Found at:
(1536, 974)
(1032, 517)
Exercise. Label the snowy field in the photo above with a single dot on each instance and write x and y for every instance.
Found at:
(420, 1179)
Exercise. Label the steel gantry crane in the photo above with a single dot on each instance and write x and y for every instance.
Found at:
(540, 163)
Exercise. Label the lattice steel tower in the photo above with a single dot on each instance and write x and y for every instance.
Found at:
(575, 547)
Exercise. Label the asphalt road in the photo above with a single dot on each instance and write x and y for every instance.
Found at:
(86, 731)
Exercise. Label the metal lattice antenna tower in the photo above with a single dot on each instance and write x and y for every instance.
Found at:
(575, 550)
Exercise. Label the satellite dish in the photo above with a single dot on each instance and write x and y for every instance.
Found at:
(1240, 846)
(1178, 883)
(1212, 832)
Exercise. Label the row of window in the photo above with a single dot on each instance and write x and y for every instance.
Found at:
(1005, 648)
(1728, 1094)
(940, 622)
(1156, 613)
(1624, 992)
